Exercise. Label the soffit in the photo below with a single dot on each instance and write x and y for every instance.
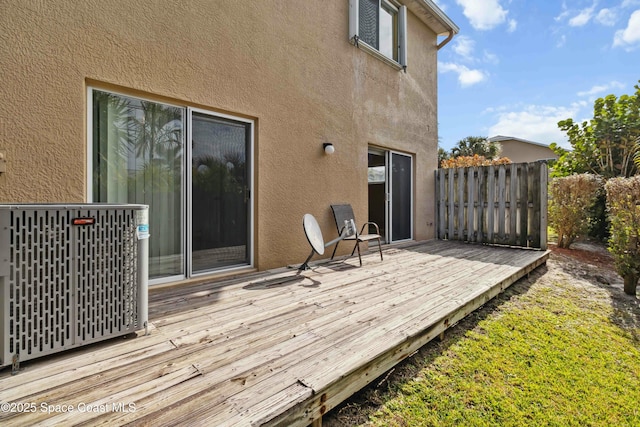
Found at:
(432, 16)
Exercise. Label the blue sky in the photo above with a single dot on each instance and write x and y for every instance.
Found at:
(517, 67)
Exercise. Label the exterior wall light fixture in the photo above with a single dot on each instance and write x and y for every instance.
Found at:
(328, 148)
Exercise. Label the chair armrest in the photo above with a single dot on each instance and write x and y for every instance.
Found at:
(370, 223)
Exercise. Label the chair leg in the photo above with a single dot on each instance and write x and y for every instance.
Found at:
(380, 249)
(359, 256)
(335, 249)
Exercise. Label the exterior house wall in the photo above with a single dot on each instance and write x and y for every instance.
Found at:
(519, 151)
(286, 65)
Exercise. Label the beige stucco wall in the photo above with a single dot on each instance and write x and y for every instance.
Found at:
(287, 65)
(520, 152)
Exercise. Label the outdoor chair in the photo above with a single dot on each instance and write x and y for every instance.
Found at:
(343, 214)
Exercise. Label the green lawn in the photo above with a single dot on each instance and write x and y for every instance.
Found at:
(555, 354)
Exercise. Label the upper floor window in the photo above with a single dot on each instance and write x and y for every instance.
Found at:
(379, 26)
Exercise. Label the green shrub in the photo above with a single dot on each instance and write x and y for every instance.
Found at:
(623, 205)
(598, 219)
(570, 202)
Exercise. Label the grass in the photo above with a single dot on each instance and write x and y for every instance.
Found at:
(554, 355)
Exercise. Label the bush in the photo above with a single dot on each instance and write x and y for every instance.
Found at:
(623, 205)
(598, 220)
(475, 160)
(571, 199)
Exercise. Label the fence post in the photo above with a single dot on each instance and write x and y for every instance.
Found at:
(544, 178)
(536, 205)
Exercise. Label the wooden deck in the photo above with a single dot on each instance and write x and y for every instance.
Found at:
(271, 348)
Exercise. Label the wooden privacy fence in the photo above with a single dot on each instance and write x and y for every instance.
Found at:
(504, 204)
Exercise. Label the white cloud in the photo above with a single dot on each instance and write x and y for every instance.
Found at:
(565, 12)
(535, 122)
(580, 18)
(583, 17)
(466, 76)
(490, 58)
(607, 17)
(513, 24)
(464, 46)
(562, 41)
(598, 89)
(483, 14)
(630, 36)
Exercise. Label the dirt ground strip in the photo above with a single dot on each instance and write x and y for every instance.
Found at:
(587, 266)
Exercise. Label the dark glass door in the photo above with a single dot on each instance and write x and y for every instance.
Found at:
(220, 192)
(377, 183)
(401, 197)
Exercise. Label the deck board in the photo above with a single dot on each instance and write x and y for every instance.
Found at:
(270, 348)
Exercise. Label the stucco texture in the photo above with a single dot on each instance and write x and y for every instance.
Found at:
(523, 152)
(287, 65)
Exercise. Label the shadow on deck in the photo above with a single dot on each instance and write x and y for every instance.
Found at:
(270, 348)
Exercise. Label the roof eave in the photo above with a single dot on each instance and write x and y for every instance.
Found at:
(433, 17)
(503, 138)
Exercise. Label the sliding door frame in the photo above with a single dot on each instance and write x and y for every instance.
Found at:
(186, 198)
(189, 195)
(388, 204)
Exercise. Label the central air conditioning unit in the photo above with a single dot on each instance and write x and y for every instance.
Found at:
(70, 275)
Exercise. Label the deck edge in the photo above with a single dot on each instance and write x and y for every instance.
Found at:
(322, 401)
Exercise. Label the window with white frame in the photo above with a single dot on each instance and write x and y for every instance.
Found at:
(379, 26)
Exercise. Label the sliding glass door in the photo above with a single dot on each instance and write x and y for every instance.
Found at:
(137, 157)
(378, 192)
(401, 182)
(220, 192)
(199, 217)
(390, 182)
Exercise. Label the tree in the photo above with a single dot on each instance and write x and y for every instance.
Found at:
(442, 155)
(479, 145)
(605, 145)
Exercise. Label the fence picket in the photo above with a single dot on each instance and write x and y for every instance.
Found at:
(513, 204)
(524, 206)
(491, 204)
(471, 209)
(461, 203)
(441, 197)
(451, 210)
(502, 200)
